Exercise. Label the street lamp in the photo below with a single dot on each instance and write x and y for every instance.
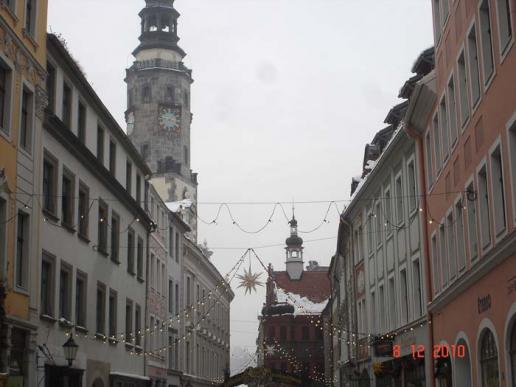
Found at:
(70, 350)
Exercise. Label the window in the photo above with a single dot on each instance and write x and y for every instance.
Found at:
(26, 121)
(186, 155)
(30, 17)
(305, 333)
(452, 248)
(512, 354)
(176, 301)
(435, 265)
(103, 227)
(504, 25)
(392, 303)
(177, 246)
(188, 292)
(373, 315)
(129, 320)
(49, 185)
(139, 262)
(429, 162)
(443, 116)
(486, 38)
(472, 225)
(152, 270)
(483, 199)
(101, 309)
(437, 20)
(512, 154)
(47, 286)
(112, 158)
(498, 191)
(84, 210)
(138, 324)
(81, 123)
(80, 300)
(473, 66)
(169, 94)
(115, 237)
(22, 250)
(404, 297)
(67, 105)
(146, 94)
(418, 291)
(129, 177)
(437, 143)
(399, 200)
(170, 297)
(443, 255)
(452, 109)
(369, 231)
(413, 196)
(283, 334)
(130, 251)
(171, 242)
(459, 221)
(139, 189)
(112, 313)
(5, 97)
(65, 292)
(489, 360)
(51, 87)
(67, 199)
(379, 225)
(463, 89)
(381, 306)
(100, 144)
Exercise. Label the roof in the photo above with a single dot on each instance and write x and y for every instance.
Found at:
(313, 285)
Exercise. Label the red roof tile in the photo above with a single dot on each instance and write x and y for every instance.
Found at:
(314, 285)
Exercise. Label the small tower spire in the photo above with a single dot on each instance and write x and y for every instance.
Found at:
(294, 251)
(159, 27)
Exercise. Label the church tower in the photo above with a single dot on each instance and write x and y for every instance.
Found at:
(294, 252)
(158, 107)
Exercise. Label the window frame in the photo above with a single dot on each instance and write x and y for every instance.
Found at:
(487, 77)
(505, 49)
(49, 312)
(26, 125)
(112, 322)
(112, 156)
(67, 104)
(102, 233)
(81, 308)
(459, 209)
(100, 306)
(464, 98)
(101, 144)
(449, 98)
(114, 245)
(6, 114)
(497, 147)
(70, 211)
(30, 25)
(82, 121)
(131, 247)
(54, 185)
(511, 146)
(139, 258)
(3, 235)
(83, 217)
(65, 304)
(474, 98)
(484, 246)
(26, 251)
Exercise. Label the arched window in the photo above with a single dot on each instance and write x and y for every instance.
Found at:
(489, 360)
(513, 354)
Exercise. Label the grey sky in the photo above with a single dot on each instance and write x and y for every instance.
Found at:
(286, 94)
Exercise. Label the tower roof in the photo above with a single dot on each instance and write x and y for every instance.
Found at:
(293, 240)
(159, 27)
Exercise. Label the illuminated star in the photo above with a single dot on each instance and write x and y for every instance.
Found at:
(269, 350)
(249, 281)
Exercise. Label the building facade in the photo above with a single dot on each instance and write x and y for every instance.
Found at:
(206, 299)
(464, 120)
(94, 238)
(158, 106)
(22, 101)
(291, 324)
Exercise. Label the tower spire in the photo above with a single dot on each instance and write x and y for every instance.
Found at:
(159, 27)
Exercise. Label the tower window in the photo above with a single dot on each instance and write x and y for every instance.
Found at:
(186, 155)
(169, 94)
(146, 94)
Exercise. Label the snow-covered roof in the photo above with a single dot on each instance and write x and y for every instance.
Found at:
(126, 375)
(302, 305)
(178, 206)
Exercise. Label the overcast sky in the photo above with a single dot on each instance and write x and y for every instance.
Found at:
(286, 95)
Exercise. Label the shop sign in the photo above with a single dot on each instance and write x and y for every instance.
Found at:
(383, 347)
(484, 304)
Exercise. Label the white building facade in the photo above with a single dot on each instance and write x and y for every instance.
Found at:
(386, 247)
(93, 239)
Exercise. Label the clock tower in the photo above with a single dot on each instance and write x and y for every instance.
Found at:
(158, 107)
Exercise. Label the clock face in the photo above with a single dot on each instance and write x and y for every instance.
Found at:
(170, 120)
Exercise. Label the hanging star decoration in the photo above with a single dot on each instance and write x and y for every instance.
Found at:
(269, 350)
(249, 281)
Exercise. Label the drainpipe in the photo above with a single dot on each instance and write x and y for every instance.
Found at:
(428, 277)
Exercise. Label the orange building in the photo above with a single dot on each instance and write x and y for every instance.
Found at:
(22, 101)
(463, 115)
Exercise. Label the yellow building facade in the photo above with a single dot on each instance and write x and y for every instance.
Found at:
(22, 102)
